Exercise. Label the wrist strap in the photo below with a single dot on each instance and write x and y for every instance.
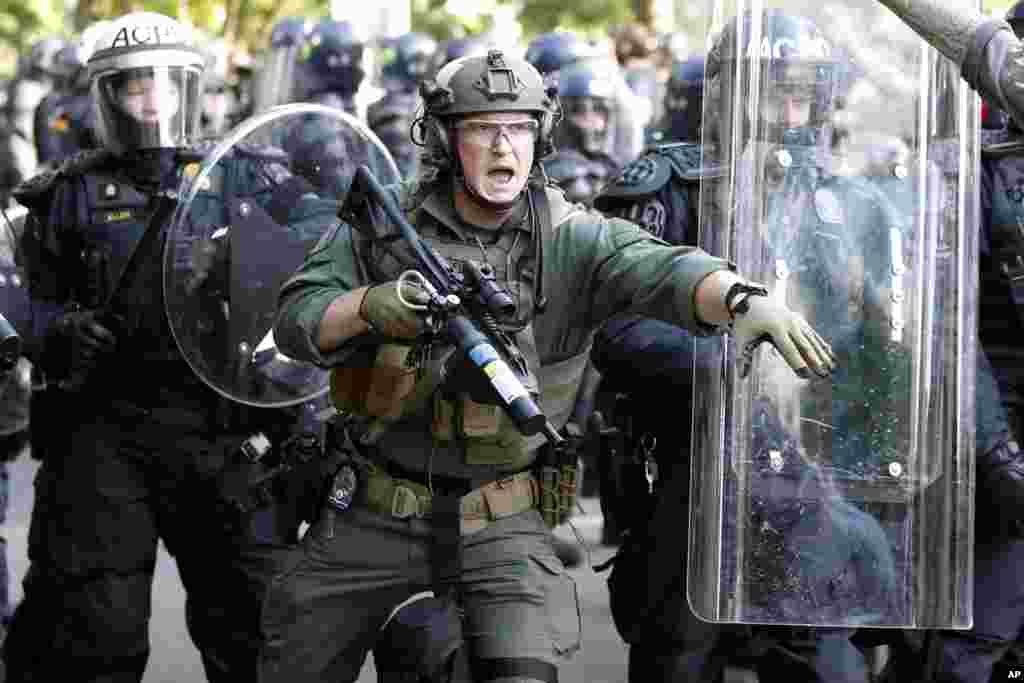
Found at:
(737, 298)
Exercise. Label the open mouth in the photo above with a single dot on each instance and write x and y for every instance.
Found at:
(502, 176)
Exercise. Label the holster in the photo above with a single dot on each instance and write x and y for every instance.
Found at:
(621, 463)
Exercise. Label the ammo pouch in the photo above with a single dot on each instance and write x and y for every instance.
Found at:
(376, 382)
(558, 472)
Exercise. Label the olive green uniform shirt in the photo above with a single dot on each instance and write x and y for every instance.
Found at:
(595, 267)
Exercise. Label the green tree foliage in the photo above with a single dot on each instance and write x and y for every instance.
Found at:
(430, 16)
(540, 16)
(22, 24)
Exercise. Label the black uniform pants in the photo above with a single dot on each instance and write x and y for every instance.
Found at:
(101, 506)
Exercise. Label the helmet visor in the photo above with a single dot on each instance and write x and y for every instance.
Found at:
(149, 107)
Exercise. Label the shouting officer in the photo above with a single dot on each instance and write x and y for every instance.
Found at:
(445, 459)
(136, 448)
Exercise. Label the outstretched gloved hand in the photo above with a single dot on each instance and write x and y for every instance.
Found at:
(758, 318)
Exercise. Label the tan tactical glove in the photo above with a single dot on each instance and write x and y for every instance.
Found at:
(758, 318)
(389, 315)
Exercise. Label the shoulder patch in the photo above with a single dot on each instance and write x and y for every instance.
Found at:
(642, 177)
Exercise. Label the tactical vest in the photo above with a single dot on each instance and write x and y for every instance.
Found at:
(480, 432)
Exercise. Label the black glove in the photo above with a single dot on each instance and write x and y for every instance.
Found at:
(1001, 480)
(77, 341)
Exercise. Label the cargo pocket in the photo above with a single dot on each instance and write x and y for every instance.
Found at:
(561, 601)
(110, 527)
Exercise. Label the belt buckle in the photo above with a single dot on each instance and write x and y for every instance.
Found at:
(405, 503)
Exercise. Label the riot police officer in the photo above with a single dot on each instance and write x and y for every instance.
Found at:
(432, 465)
(796, 81)
(683, 104)
(135, 447)
(581, 164)
(335, 68)
(64, 123)
(391, 116)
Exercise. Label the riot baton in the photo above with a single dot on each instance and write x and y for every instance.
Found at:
(450, 300)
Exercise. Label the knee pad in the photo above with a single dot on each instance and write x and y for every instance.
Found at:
(422, 642)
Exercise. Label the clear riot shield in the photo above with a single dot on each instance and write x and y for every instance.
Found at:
(247, 216)
(846, 157)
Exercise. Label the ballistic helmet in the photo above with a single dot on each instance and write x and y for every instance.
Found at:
(475, 85)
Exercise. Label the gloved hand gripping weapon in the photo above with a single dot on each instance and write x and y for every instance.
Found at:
(462, 307)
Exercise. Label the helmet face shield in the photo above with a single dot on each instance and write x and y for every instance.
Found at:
(148, 107)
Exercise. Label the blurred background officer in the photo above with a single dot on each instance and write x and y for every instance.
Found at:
(683, 104)
(35, 78)
(135, 448)
(392, 115)
(581, 164)
(551, 52)
(64, 120)
(218, 98)
(334, 65)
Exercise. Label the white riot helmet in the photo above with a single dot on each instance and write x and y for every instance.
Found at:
(145, 81)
